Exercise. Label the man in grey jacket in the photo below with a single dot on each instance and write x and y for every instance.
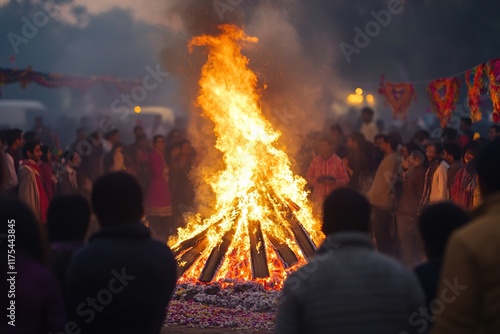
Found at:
(349, 287)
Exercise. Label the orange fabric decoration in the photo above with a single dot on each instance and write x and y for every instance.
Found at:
(494, 78)
(398, 96)
(443, 94)
(475, 84)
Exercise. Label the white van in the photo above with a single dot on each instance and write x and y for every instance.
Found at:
(21, 113)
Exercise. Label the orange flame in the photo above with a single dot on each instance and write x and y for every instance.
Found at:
(257, 177)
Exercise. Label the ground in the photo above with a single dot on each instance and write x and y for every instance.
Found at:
(188, 330)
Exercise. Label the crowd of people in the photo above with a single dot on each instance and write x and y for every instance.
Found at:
(36, 173)
(411, 202)
(399, 178)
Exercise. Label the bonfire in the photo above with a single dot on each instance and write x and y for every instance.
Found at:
(262, 226)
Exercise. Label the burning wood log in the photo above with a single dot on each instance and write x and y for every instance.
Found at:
(303, 240)
(217, 255)
(257, 250)
(286, 255)
(292, 205)
(185, 245)
(188, 258)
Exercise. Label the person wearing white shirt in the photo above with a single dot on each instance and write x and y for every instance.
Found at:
(439, 187)
(368, 127)
(110, 139)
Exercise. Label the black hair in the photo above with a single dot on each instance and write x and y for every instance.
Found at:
(45, 151)
(137, 127)
(29, 147)
(337, 127)
(69, 155)
(467, 121)
(397, 135)
(109, 158)
(346, 210)
(453, 149)
(171, 134)
(420, 135)
(488, 166)
(358, 137)
(439, 147)
(474, 148)
(450, 134)
(12, 135)
(117, 199)
(436, 224)
(68, 218)
(29, 136)
(155, 138)
(378, 136)
(496, 127)
(367, 110)
(30, 241)
(392, 141)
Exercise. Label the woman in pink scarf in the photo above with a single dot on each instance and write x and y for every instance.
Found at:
(158, 200)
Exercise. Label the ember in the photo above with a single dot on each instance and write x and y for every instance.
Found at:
(262, 226)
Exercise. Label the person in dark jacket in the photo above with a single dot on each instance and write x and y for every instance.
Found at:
(357, 162)
(122, 281)
(411, 250)
(67, 223)
(349, 287)
(436, 225)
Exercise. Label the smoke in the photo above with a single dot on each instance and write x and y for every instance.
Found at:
(296, 79)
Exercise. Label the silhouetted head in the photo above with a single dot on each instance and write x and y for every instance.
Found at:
(68, 218)
(367, 115)
(355, 140)
(46, 154)
(494, 131)
(32, 150)
(488, 167)
(29, 240)
(346, 210)
(390, 144)
(465, 123)
(436, 225)
(13, 138)
(450, 135)
(452, 152)
(117, 199)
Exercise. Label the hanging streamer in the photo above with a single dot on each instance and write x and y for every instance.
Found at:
(50, 80)
(494, 81)
(443, 95)
(474, 79)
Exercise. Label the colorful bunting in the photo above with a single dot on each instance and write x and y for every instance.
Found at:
(475, 84)
(443, 95)
(494, 79)
(50, 80)
(398, 96)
